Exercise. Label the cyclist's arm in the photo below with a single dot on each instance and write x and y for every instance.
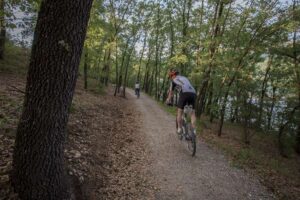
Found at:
(170, 94)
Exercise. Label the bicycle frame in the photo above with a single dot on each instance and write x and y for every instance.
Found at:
(187, 111)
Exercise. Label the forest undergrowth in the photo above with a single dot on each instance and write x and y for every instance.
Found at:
(104, 153)
(261, 157)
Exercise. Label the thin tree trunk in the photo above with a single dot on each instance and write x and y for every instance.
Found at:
(151, 82)
(200, 103)
(297, 70)
(159, 73)
(162, 89)
(185, 31)
(210, 97)
(119, 79)
(157, 46)
(128, 63)
(85, 69)
(38, 159)
(126, 75)
(247, 117)
(235, 117)
(224, 105)
(117, 70)
(146, 76)
(141, 58)
(263, 91)
(272, 108)
(281, 131)
(2, 28)
(107, 68)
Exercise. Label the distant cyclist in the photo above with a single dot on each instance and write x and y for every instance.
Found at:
(137, 88)
(187, 96)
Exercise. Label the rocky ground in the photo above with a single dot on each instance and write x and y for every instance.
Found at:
(105, 153)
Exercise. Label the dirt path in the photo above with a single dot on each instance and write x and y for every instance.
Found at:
(127, 149)
(208, 175)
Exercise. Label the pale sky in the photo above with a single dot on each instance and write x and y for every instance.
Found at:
(16, 33)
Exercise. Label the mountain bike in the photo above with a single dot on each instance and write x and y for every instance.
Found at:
(137, 93)
(188, 134)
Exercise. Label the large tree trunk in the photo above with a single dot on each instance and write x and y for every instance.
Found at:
(2, 29)
(38, 161)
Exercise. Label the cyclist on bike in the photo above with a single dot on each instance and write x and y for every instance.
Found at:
(187, 96)
(137, 87)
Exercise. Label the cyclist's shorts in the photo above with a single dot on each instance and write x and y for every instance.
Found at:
(187, 98)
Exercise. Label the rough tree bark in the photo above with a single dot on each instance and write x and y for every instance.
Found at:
(38, 160)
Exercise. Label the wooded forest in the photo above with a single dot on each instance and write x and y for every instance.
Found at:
(242, 57)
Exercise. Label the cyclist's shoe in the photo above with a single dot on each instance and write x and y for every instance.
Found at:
(179, 131)
(194, 131)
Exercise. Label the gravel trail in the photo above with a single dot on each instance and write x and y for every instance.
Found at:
(177, 175)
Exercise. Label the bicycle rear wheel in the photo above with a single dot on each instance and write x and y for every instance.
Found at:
(191, 139)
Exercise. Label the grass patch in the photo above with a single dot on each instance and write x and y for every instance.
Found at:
(72, 108)
(95, 87)
(170, 109)
(15, 60)
(261, 157)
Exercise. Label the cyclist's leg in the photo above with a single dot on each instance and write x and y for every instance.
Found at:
(180, 106)
(179, 119)
(191, 101)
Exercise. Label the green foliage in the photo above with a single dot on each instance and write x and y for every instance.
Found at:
(15, 59)
(95, 87)
(178, 59)
(222, 43)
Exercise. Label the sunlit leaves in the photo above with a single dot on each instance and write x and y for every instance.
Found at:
(178, 59)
